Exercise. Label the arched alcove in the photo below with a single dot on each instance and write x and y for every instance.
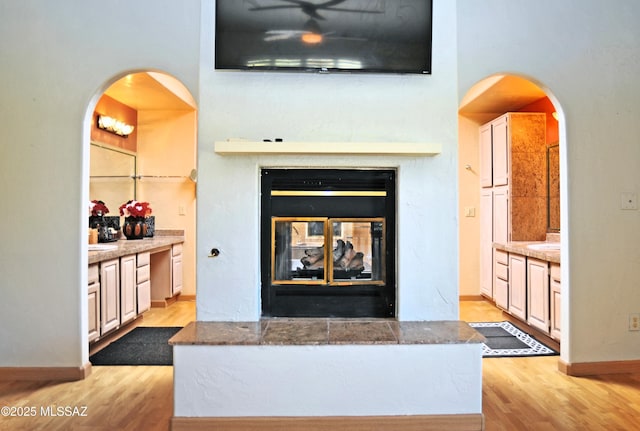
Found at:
(487, 100)
(155, 163)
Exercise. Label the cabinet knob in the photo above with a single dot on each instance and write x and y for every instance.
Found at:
(214, 252)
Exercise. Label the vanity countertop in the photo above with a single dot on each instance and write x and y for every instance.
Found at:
(124, 247)
(521, 247)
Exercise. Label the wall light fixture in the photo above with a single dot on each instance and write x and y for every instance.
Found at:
(112, 125)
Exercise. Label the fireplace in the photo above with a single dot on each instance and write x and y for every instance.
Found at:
(328, 243)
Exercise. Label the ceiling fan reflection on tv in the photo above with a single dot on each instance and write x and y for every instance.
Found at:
(310, 32)
(311, 9)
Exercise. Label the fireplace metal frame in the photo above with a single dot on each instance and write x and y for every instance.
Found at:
(328, 195)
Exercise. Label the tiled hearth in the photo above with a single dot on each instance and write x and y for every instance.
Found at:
(326, 331)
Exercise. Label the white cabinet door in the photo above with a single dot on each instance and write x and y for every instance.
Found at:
(500, 151)
(486, 243)
(501, 215)
(518, 286)
(538, 294)
(176, 269)
(93, 299)
(128, 269)
(486, 157)
(94, 311)
(144, 296)
(109, 295)
(554, 312)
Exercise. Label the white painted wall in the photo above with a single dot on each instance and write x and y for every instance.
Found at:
(586, 54)
(334, 108)
(167, 148)
(57, 57)
(372, 380)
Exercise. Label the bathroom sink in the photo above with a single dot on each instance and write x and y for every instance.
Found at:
(102, 247)
(545, 246)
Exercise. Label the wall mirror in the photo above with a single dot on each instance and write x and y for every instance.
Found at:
(553, 185)
(112, 176)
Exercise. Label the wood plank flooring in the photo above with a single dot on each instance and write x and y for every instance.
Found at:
(518, 393)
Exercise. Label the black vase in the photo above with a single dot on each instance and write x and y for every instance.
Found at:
(134, 227)
(98, 222)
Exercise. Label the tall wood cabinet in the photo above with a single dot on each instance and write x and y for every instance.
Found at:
(513, 180)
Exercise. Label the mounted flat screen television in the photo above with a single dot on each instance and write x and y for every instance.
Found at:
(379, 36)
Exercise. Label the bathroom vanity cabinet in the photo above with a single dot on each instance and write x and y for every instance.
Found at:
(120, 281)
(528, 286)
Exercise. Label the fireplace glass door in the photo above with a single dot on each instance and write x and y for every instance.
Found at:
(327, 241)
(301, 256)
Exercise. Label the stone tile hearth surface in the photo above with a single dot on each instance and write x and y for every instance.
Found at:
(326, 331)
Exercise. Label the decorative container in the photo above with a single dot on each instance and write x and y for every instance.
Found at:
(134, 227)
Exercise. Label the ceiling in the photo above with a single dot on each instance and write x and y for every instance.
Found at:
(499, 94)
(143, 92)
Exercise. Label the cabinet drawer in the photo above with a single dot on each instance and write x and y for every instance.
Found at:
(144, 259)
(144, 273)
(94, 274)
(176, 250)
(502, 257)
(502, 271)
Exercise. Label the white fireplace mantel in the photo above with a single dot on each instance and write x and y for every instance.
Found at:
(240, 147)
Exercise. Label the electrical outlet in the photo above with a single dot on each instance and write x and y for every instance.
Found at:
(469, 211)
(634, 322)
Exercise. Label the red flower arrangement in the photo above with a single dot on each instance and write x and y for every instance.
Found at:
(135, 209)
(98, 208)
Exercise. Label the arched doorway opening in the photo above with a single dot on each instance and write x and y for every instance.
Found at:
(154, 162)
(488, 100)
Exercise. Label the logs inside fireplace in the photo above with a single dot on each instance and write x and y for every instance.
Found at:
(328, 243)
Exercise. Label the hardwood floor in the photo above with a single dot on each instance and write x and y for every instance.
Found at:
(518, 393)
(531, 394)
